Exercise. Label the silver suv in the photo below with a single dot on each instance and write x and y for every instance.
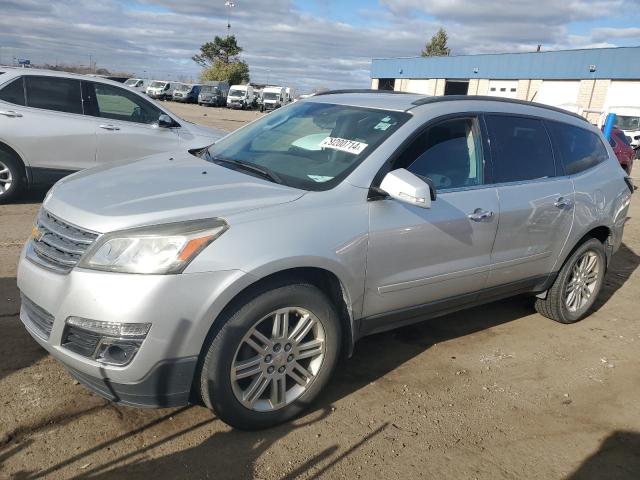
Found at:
(55, 123)
(237, 277)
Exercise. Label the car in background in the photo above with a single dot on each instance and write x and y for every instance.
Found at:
(213, 94)
(623, 149)
(239, 276)
(241, 96)
(161, 90)
(138, 84)
(54, 123)
(186, 93)
(627, 120)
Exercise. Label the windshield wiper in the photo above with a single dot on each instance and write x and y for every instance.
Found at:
(249, 167)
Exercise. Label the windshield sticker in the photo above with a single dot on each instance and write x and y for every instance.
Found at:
(319, 178)
(344, 145)
(382, 126)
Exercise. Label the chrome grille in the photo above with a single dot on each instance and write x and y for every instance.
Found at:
(56, 244)
(37, 318)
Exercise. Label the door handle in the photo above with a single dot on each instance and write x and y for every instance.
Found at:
(10, 113)
(563, 203)
(480, 215)
(109, 127)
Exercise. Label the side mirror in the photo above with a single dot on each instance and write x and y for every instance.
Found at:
(165, 121)
(404, 186)
(637, 137)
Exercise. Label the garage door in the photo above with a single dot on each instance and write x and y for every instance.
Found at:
(503, 88)
(558, 93)
(623, 94)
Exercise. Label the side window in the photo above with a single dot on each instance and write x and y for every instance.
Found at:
(120, 104)
(52, 93)
(579, 148)
(520, 148)
(13, 92)
(448, 153)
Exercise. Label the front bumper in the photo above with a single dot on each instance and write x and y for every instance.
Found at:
(181, 309)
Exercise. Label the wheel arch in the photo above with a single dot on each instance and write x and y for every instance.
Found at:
(600, 232)
(13, 152)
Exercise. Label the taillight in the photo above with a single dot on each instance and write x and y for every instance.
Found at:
(630, 184)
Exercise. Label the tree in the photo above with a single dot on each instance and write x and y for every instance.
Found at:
(219, 60)
(224, 50)
(437, 47)
(235, 73)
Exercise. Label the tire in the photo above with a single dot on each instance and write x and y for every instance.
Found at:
(224, 395)
(11, 169)
(555, 305)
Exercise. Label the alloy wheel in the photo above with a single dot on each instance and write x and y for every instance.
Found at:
(278, 359)
(6, 178)
(582, 282)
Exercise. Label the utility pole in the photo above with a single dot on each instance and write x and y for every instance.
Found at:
(90, 69)
(229, 6)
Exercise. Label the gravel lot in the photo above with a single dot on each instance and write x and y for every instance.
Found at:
(490, 393)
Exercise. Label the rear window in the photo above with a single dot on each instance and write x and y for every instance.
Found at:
(52, 93)
(579, 149)
(520, 148)
(13, 92)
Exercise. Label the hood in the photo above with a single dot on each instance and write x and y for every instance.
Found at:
(197, 136)
(157, 190)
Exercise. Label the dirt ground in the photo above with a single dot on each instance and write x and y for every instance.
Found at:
(491, 393)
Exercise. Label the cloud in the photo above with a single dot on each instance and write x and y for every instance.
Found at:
(282, 43)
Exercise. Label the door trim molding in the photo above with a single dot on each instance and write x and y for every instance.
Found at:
(444, 277)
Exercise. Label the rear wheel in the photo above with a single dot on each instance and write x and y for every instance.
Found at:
(577, 286)
(12, 176)
(272, 357)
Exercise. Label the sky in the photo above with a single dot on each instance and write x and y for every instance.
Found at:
(302, 43)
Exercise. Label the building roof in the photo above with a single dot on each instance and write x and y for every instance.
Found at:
(622, 63)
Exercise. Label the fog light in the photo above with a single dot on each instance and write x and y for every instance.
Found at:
(111, 343)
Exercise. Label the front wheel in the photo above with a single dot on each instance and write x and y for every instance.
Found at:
(271, 357)
(577, 285)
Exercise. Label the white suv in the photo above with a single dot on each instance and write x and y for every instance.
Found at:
(53, 123)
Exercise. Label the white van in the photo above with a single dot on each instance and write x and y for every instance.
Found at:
(273, 97)
(138, 84)
(161, 89)
(628, 120)
(240, 96)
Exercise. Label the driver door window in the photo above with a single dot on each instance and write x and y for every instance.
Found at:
(448, 153)
(119, 104)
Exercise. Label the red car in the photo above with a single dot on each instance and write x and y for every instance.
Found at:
(623, 150)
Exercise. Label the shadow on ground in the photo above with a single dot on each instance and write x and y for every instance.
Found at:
(233, 454)
(618, 458)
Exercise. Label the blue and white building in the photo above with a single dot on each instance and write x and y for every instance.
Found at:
(586, 81)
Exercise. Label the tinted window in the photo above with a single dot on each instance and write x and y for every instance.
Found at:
(449, 154)
(520, 147)
(621, 137)
(51, 93)
(579, 149)
(13, 93)
(120, 104)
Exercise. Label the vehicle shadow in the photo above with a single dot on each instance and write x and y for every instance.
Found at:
(17, 349)
(622, 266)
(618, 458)
(33, 195)
(233, 454)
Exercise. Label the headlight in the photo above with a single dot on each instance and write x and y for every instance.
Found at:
(159, 249)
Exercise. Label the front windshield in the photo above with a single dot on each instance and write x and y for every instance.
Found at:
(209, 89)
(236, 93)
(183, 88)
(624, 122)
(158, 84)
(312, 146)
(270, 96)
(131, 82)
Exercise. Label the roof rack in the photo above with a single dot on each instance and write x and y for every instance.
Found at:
(487, 98)
(359, 90)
